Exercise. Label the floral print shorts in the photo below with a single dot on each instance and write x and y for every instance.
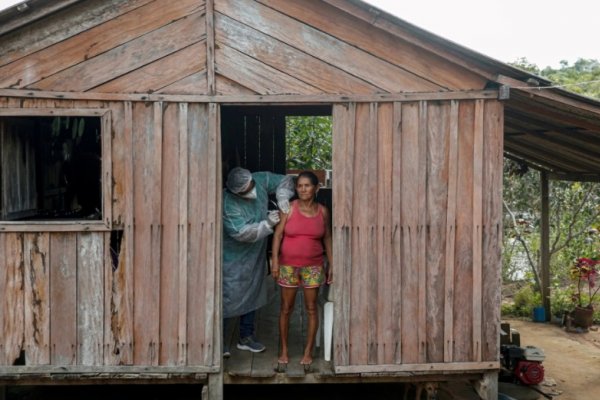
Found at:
(308, 277)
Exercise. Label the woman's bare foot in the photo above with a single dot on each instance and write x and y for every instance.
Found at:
(283, 359)
(306, 360)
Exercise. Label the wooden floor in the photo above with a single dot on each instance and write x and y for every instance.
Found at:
(244, 367)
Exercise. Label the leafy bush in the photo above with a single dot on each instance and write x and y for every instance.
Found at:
(524, 301)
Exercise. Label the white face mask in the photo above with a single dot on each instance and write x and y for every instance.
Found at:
(250, 195)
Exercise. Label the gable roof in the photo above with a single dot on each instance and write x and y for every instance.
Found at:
(546, 127)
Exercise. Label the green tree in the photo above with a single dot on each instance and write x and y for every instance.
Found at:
(583, 77)
(308, 142)
(574, 210)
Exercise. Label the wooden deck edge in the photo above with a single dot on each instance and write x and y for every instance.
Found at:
(399, 377)
(54, 375)
(451, 368)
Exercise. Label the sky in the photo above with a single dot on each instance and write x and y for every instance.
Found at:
(543, 31)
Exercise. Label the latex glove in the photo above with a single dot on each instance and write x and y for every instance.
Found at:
(273, 218)
(284, 205)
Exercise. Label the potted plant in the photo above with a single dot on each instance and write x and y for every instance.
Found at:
(584, 273)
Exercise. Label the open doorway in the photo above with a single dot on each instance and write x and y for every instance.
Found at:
(279, 139)
(284, 140)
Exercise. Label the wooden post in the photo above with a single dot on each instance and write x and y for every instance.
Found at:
(545, 245)
(214, 390)
(487, 386)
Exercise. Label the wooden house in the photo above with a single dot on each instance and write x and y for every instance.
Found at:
(118, 119)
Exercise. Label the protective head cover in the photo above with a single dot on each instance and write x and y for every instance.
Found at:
(238, 180)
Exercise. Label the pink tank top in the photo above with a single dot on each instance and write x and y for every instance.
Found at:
(302, 243)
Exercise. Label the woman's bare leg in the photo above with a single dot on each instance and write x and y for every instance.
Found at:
(288, 298)
(310, 304)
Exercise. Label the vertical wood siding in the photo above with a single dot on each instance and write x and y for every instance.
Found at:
(68, 298)
(416, 228)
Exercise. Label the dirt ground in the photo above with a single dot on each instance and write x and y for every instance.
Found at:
(572, 363)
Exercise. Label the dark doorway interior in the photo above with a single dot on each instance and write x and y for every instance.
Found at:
(253, 137)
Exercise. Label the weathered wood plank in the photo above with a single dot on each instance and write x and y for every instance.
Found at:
(371, 207)
(459, 367)
(161, 73)
(255, 75)
(182, 232)
(94, 42)
(226, 86)
(115, 33)
(477, 227)
(147, 138)
(90, 298)
(463, 271)
(63, 298)
(359, 318)
(343, 155)
(126, 57)
(190, 85)
(492, 217)
(212, 346)
(106, 159)
(36, 249)
(119, 298)
(210, 47)
(119, 154)
(12, 311)
(421, 260)
(327, 48)
(385, 265)
(169, 269)
(409, 218)
(451, 233)
(56, 28)
(397, 262)
(438, 134)
(286, 58)
(198, 153)
(241, 98)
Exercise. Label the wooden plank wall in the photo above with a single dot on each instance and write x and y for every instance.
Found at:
(311, 47)
(417, 221)
(63, 299)
(131, 46)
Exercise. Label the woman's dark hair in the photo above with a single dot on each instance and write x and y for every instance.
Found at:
(310, 175)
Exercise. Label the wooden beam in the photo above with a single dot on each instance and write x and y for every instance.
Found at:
(432, 367)
(53, 226)
(122, 370)
(257, 99)
(210, 47)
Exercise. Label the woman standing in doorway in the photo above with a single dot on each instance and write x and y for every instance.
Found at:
(300, 242)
